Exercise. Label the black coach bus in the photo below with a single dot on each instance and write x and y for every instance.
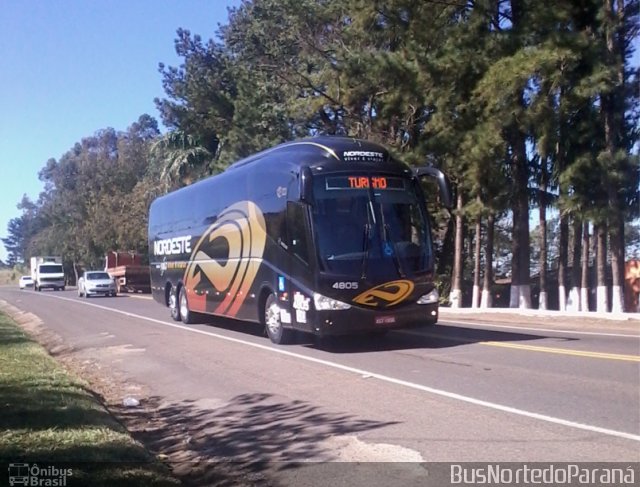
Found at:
(328, 235)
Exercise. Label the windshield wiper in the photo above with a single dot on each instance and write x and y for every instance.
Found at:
(389, 241)
(366, 244)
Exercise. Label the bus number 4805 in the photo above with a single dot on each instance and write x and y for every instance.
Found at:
(345, 285)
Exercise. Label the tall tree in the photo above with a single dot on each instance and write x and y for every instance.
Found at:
(91, 201)
(200, 93)
(182, 159)
(15, 241)
(619, 24)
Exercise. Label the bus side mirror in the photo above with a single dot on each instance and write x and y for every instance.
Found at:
(306, 185)
(442, 180)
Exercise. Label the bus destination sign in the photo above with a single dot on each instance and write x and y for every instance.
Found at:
(365, 182)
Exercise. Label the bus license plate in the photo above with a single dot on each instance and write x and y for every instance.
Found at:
(385, 320)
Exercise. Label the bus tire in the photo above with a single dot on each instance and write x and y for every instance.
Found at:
(276, 332)
(174, 307)
(187, 316)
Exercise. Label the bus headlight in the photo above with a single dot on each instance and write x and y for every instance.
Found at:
(429, 298)
(324, 303)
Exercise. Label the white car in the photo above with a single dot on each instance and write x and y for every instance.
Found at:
(94, 283)
(25, 282)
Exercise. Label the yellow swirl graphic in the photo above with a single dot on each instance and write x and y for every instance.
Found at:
(386, 294)
(228, 255)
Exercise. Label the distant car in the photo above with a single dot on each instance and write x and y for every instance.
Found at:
(25, 282)
(94, 283)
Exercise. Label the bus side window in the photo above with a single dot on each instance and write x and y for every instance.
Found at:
(297, 230)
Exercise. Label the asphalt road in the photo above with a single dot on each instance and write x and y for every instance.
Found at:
(514, 390)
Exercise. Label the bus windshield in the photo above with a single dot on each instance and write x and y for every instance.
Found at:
(366, 226)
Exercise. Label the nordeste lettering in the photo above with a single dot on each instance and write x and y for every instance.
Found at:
(362, 153)
(172, 246)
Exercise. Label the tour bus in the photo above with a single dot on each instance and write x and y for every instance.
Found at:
(326, 235)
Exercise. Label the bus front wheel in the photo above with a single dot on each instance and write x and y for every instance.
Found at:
(275, 330)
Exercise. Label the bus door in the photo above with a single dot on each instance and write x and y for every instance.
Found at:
(299, 264)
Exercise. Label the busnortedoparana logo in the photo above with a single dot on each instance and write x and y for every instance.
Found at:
(36, 476)
(552, 474)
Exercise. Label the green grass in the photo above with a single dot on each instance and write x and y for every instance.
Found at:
(50, 417)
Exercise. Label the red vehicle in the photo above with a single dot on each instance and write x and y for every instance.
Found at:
(129, 273)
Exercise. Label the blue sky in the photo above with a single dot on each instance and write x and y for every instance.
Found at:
(71, 67)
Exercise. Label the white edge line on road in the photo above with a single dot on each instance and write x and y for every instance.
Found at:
(384, 378)
(530, 328)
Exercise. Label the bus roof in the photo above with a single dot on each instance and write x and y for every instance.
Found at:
(330, 152)
(325, 153)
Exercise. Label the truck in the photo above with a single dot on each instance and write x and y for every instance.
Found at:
(47, 272)
(127, 270)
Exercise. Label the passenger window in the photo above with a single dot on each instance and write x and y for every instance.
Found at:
(297, 231)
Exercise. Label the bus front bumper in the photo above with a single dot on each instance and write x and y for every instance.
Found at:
(357, 320)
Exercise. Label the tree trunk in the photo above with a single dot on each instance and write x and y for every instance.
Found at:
(475, 300)
(576, 244)
(612, 109)
(563, 242)
(456, 286)
(584, 288)
(602, 297)
(562, 263)
(520, 276)
(542, 299)
(446, 255)
(75, 271)
(616, 235)
(487, 301)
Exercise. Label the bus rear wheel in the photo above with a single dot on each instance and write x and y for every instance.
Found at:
(277, 333)
(173, 306)
(186, 315)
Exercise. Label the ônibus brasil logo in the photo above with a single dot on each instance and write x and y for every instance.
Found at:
(34, 475)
